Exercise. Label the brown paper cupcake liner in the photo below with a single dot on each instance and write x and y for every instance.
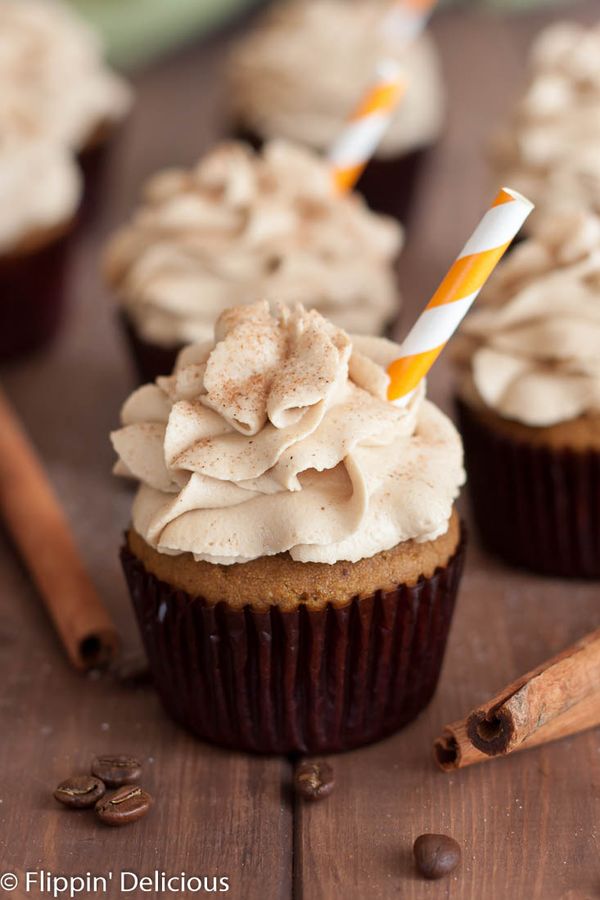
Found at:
(534, 506)
(303, 681)
(388, 185)
(32, 297)
(150, 360)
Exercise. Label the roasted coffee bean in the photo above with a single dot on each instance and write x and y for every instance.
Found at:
(116, 770)
(436, 855)
(128, 804)
(80, 791)
(313, 780)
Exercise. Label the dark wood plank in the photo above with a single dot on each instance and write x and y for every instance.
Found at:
(526, 822)
(216, 812)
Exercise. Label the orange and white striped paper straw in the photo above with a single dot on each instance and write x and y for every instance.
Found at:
(370, 120)
(458, 290)
(366, 126)
(406, 19)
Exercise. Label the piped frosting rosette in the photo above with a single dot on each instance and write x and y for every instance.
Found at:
(532, 346)
(549, 149)
(54, 85)
(277, 436)
(276, 88)
(242, 226)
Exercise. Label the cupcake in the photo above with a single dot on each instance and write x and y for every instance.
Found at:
(294, 553)
(277, 91)
(529, 401)
(243, 226)
(40, 192)
(549, 148)
(54, 85)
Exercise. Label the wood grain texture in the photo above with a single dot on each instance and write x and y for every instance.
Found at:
(527, 823)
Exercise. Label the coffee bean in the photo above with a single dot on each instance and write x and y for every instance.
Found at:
(80, 791)
(313, 780)
(436, 855)
(128, 804)
(116, 770)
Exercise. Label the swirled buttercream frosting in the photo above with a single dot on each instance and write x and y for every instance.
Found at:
(244, 226)
(54, 85)
(532, 345)
(276, 436)
(40, 190)
(549, 148)
(302, 71)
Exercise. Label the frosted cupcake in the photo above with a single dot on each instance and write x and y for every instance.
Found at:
(54, 85)
(530, 401)
(40, 193)
(302, 72)
(294, 553)
(242, 226)
(549, 148)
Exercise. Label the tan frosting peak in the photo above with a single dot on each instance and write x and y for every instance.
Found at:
(277, 436)
(277, 89)
(532, 344)
(549, 148)
(242, 226)
(53, 84)
(40, 190)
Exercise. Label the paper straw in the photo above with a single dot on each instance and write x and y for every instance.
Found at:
(406, 19)
(366, 126)
(370, 120)
(455, 295)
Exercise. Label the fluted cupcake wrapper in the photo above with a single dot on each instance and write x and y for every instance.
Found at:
(535, 506)
(303, 681)
(150, 360)
(32, 297)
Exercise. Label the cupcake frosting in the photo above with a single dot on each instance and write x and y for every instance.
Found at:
(53, 83)
(241, 227)
(549, 150)
(40, 190)
(277, 90)
(277, 436)
(532, 345)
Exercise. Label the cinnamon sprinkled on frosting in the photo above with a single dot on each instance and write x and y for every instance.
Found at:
(532, 345)
(241, 227)
(276, 436)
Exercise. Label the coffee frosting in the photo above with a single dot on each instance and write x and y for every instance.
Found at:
(40, 190)
(244, 226)
(532, 344)
(549, 149)
(53, 84)
(303, 70)
(277, 436)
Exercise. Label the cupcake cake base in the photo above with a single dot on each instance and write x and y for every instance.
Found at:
(535, 505)
(308, 680)
(32, 293)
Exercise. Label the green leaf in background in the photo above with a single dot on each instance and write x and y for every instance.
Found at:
(137, 31)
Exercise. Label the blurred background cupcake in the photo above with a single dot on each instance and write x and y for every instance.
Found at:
(549, 149)
(277, 91)
(54, 85)
(241, 226)
(289, 517)
(40, 194)
(529, 401)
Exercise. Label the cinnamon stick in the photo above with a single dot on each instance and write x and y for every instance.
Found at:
(40, 530)
(559, 698)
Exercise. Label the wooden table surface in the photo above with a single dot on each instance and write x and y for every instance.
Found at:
(528, 824)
